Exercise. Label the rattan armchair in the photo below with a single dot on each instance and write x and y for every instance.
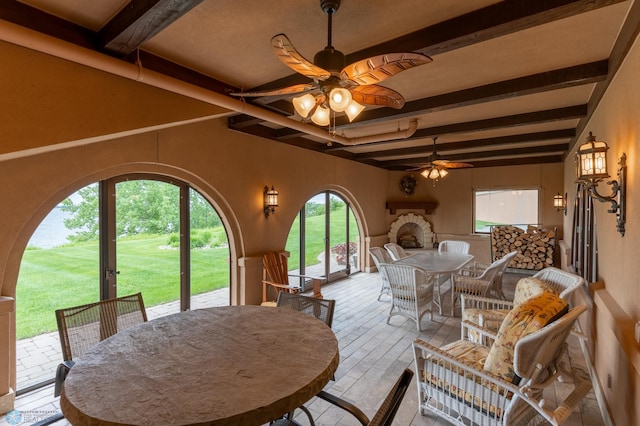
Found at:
(411, 292)
(462, 391)
(488, 313)
(380, 256)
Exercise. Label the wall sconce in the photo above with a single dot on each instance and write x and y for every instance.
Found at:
(560, 202)
(591, 168)
(270, 200)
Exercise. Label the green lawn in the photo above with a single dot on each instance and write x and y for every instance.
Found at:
(68, 276)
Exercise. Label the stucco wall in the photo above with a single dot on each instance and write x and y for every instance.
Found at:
(617, 306)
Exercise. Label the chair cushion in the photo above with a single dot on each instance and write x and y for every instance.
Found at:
(529, 287)
(523, 319)
(473, 355)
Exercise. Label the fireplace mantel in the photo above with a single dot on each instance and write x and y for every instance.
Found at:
(427, 206)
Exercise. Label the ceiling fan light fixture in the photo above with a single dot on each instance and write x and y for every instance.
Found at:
(304, 104)
(353, 110)
(321, 116)
(339, 99)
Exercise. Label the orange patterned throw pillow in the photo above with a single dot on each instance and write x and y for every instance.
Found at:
(529, 316)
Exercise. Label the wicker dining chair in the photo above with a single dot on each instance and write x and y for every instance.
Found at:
(395, 251)
(487, 282)
(380, 256)
(411, 292)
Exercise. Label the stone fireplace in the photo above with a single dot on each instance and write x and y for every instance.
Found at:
(411, 231)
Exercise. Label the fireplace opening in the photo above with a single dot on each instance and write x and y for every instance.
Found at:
(411, 231)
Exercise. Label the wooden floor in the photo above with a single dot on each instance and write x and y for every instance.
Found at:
(373, 354)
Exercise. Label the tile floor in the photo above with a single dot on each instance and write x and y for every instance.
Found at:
(373, 354)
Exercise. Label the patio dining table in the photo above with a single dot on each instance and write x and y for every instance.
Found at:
(437, 263)
(215, 366)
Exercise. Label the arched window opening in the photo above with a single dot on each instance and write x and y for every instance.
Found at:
(120, 236)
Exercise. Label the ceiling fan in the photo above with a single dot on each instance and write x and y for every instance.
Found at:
(337, 86)
(437, 169)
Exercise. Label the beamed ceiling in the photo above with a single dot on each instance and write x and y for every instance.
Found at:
(511, 82)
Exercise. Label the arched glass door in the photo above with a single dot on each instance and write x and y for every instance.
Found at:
(127, 234)
(324, 238)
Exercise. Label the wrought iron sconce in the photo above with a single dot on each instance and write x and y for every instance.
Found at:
(591, 168)
(560, 202)
(270, 200)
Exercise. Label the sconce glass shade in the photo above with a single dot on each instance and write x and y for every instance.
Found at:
(591, 160)
(558, 201)
(270, 200)
(321, 116)
(339, 99)
(304, 104)
(353, 110)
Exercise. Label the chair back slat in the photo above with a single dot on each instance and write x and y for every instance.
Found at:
(82, 327)
(276, 268)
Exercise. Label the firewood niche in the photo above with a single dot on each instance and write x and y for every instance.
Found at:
(427, 206)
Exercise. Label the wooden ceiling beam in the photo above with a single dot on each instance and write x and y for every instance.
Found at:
(140, 20)
(536, 83)
(471, 144)
(503, 18)
(473, 156)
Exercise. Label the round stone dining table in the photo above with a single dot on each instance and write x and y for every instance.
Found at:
(240, 365)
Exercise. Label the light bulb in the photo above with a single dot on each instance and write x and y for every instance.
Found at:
(434, 174)
(321, 116)
(304, 104)
(443, 172)
(353, 110)
(339, 99)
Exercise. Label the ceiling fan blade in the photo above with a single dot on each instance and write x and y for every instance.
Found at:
(285, 51)
(290, 90)
(451, 164)
(377, 95)
(378, 68)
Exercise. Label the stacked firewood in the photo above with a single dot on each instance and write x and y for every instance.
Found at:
(535, 246)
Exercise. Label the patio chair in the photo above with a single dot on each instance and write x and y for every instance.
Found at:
(276, 277)
(383, 417)
(489, 313)
(411, 292)
(321, 309)
(395, 251)
(379, 256)
(487, 282)
(82, 327)
(468, 383)
(454, 246)
(388, 409)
